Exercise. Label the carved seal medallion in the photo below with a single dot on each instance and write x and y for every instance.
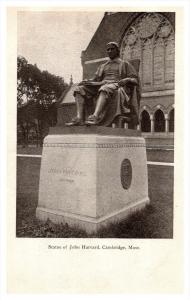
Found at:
(126, 173)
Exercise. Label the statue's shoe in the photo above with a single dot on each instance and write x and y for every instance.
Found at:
(75, 122)
(92, 120)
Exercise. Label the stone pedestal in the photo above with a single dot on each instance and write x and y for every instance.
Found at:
(90, 178)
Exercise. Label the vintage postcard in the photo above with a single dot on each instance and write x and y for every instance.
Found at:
(95, 142)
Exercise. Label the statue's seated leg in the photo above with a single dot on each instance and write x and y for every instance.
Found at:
(83, 98)
(79, 119)
(92, 120)
(75, 122)
(95, 118)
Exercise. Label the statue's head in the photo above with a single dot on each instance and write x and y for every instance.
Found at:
(112, 50)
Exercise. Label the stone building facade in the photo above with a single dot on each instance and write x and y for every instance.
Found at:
(149, 37)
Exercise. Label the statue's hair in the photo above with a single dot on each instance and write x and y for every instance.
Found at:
(115, 44)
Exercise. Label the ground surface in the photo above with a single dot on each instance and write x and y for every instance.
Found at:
(155, 221)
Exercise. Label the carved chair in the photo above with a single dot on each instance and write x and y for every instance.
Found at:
(126, 120)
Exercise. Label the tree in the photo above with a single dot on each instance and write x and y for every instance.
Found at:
(34, 84)
(37, 92)
(21, 82)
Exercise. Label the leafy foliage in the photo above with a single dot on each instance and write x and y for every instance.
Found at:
(34, 84)
(37, 94)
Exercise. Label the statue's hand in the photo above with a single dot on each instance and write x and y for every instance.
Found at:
(124, 81)
(108, 81)
(86, 81)
(127, 81)
(83, 81)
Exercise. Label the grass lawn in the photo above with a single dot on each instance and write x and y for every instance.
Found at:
(155, 221)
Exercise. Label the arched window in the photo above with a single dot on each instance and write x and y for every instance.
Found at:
(145, 121)
(171, 121)
(151, 38)
(159, 121)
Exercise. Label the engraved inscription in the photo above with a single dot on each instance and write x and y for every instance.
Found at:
(66, 171)
(66, 180)
(126, 173)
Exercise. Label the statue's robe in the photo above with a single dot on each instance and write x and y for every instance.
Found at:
(120, 100)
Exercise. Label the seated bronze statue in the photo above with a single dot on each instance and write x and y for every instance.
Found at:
(113, 92)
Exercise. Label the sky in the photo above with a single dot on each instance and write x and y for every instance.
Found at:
(54, 40)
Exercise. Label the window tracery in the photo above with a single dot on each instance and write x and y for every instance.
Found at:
(151, 39)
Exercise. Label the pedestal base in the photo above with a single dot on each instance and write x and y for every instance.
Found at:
(91, 180)
(87, 223)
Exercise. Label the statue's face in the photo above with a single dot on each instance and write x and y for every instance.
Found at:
(112, 51)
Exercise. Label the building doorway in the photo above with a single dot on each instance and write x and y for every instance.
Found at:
(159, 121)
(145, 121)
